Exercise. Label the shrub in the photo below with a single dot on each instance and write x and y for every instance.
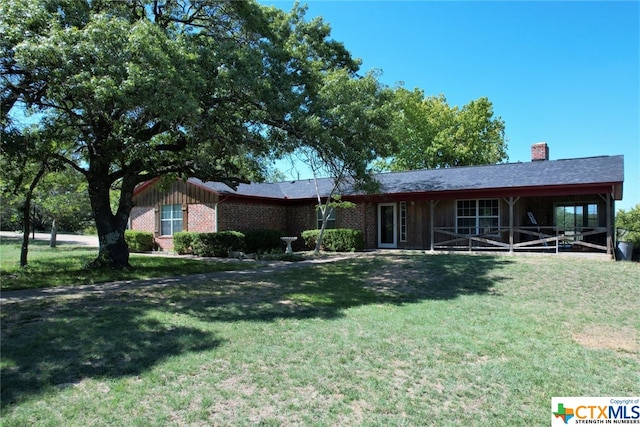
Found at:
(262, 240)
(628, 228)
(310, 237)
(217, 244)
(183, 242)
(336, 239)
(139, 241)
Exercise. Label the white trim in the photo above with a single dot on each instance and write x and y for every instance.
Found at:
(402, 225)
(477, 217)
(394, 244)
(215, 219)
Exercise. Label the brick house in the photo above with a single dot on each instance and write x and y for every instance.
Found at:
(545, 205)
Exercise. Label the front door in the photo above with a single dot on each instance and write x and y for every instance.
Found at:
(387, 228)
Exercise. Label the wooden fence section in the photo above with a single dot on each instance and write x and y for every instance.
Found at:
(545, 238)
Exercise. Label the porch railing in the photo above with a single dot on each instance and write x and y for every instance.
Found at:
(546, 238)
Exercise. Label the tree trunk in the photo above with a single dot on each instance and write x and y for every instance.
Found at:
(25, 215)
(24, 250)
(54, 233)
(325, 215)
(113, 252)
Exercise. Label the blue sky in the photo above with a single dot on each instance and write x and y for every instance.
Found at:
(566, 73)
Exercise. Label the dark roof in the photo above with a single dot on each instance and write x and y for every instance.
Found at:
(551, 173)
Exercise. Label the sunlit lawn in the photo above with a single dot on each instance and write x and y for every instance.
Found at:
(406, 339)
(67, 265)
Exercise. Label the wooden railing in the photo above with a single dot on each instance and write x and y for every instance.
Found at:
(524, 238)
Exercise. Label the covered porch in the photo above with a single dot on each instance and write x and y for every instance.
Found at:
(551, 224)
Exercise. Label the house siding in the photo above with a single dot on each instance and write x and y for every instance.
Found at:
(251, 216)
(206, 210)
(201, 218)
(300, 217)
(142, 219)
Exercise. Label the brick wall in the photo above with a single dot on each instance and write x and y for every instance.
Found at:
(369, 212)
(251, 216)
(351, 217)
(299, 219)
(201, 218)
(143, 218)
(164, 242)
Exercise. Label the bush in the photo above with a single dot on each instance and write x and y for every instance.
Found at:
(336, 239)
(183, 242)
(139, 241)
(262, 240)
(217, 244)
(310, 237)
(628, 228)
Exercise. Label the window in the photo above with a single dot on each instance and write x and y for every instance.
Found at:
(403, 221)
(170, 219)
(478, 216)
(331, 219)
(576, 215)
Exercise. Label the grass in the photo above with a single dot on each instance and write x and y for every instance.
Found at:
(399, 339)
(66, 265)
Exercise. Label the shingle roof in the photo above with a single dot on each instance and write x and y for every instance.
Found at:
(569, 172)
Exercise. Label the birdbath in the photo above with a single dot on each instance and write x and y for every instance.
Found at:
(288, 240)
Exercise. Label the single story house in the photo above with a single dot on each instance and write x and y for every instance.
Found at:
(543, 205)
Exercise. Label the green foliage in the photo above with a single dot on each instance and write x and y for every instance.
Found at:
(428, 133)
(262, 240)
(183, 242)
(336, 240)
(628, 228)
(217, 244)
(63, 196)
(139, 241)
(137, 90)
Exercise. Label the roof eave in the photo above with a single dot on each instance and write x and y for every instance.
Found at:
(614, 188)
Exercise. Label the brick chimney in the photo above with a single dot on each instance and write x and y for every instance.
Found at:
(539, 151)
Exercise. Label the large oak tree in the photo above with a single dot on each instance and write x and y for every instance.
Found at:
(134, 89)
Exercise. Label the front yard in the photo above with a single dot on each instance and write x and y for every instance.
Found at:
(384, 339)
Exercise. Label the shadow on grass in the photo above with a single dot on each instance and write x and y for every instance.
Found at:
(70, 264)
(325, 291)
(49, 343)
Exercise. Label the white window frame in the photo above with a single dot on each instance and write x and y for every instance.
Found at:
(476, 218)
(403, 221)
(172, 219)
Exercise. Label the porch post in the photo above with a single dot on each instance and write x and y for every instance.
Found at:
(432, 205)
(609, 226)
(511, 202)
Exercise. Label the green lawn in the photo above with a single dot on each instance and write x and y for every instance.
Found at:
(404, 339)
(69, 264)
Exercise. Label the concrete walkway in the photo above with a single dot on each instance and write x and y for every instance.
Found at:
(61, 239)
